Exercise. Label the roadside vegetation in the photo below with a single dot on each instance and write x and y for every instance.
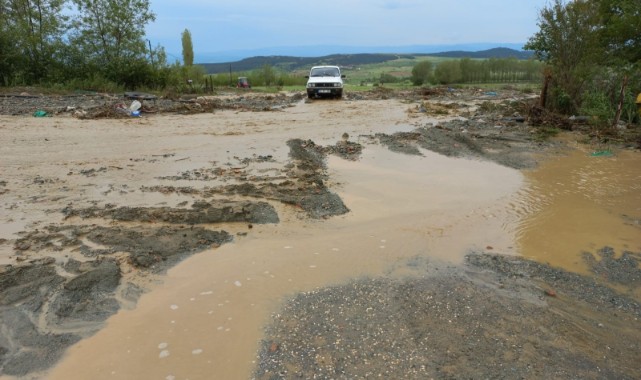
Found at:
(592, 55)
(587, 57)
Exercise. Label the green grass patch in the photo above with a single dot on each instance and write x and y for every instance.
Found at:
(544, 133)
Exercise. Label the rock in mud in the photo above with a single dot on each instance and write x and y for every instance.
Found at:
(306, 156)
(305, 187)
(401, 142)
(157, 249)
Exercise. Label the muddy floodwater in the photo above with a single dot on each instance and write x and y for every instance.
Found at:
(216, 303)
(388, 213)
(580, 202)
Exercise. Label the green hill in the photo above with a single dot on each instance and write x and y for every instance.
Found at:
(491, 53)
(287, 63)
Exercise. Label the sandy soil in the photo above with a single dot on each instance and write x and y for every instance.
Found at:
(325, 239)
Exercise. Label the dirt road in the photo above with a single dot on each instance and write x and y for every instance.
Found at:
(282, 238)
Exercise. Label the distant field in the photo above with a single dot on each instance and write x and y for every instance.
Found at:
(364, 76)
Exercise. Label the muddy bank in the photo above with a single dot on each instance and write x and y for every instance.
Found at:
(495, 317)
(306, 187)
(200, 213)
(508, 141)
(48, 304)
(300, 183)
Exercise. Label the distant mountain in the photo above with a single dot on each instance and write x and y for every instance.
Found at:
(295, 63)
(500, 52)
(323, 50)
(289, 63)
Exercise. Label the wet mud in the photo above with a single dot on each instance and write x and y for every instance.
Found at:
(88, 292)
(514, 144)
(200, 213)
(301, 183)
(59, 304)
(494, 316)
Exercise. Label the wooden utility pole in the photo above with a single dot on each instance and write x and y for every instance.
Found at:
(151, 53)
(544, 91)
(617, 117)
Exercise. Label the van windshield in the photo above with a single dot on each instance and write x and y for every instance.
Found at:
(325, 72)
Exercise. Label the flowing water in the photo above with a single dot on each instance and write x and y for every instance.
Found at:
(207, 316)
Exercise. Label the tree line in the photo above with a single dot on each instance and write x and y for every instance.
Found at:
(82, 42)
(467, 70)
(267, 76)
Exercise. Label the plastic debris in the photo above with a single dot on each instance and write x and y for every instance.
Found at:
(135, 106)
(40, 113)
(602, 153)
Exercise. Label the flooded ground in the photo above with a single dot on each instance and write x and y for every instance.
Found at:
(585, 202)
(221, 309)
(357, 215)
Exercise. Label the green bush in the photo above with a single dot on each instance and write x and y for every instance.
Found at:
(422, 73)
(597, 105)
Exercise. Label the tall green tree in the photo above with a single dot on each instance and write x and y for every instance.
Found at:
(110, 34)
(188, 48)
(568, 40)
(31, 35)
(593, 50)
(268, 75)
(620, 30)
(422, 73)
(620, 39)
(448, 72)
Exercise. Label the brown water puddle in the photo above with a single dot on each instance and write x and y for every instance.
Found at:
(580, 203)
(206, 319)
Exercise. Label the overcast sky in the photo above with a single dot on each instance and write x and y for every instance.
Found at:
(218, 25)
